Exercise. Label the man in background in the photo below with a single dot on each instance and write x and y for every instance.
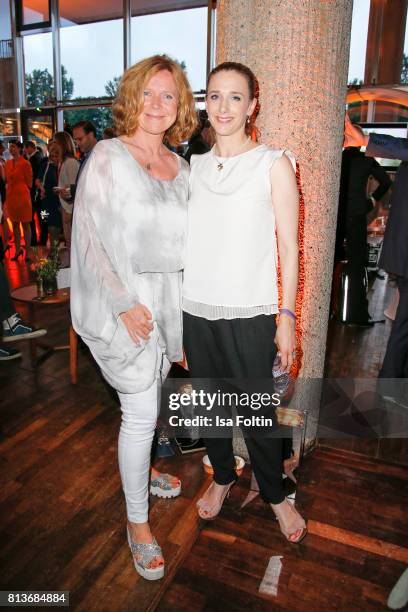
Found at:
(84, 134)
(394, 254)
(354, 205)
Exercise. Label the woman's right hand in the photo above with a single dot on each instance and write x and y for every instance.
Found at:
(138, 322)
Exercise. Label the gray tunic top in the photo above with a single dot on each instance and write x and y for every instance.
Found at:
(128, 240)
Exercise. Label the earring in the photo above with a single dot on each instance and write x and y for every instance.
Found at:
(248, 119)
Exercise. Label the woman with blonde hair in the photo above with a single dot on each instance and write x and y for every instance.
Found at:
(127, 256)
(67, 174)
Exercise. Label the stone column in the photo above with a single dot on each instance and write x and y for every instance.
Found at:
(299, 50)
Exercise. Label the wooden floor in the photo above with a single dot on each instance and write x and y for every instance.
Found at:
(353, 554)
(62, 510)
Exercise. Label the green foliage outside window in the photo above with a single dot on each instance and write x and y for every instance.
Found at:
(40, 87)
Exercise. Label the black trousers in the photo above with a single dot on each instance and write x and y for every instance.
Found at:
(395, 364)
(6, 305)
(237, 348)
(356, 234)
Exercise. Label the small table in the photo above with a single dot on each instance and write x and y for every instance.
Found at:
(28, 295)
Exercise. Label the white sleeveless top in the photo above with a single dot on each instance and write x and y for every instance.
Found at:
(231, 253)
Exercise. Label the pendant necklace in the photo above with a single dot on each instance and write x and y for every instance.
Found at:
(147, 165)
(220, 164)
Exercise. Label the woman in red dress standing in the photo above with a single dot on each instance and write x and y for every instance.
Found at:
(19, 179)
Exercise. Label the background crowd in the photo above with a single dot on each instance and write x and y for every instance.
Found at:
(37, 189)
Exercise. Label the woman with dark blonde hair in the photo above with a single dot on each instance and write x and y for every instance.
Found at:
(67, 174)
(127, 256)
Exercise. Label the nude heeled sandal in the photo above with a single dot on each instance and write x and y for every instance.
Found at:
(287, 534)
(201, 503)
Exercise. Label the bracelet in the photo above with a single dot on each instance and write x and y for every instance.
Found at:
(288, 312)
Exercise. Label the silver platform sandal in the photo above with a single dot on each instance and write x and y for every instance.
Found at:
(161, 486)
(146, 553)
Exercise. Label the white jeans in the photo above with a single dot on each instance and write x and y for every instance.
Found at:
(139, 416)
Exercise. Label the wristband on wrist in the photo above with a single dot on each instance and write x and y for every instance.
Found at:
(288, 312)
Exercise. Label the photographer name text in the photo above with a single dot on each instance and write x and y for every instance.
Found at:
(207, 421)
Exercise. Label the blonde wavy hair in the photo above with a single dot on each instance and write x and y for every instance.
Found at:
(129, 100)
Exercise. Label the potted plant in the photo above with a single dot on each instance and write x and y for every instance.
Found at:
(46, 269)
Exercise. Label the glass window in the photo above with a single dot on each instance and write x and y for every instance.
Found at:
(5, 21)
(91, 46)
(39, 75)
(7, 78)
(7, 75)
(33, 12)
(180, 34)
(358, 42)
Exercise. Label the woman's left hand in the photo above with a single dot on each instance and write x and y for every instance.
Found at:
(285, 340)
